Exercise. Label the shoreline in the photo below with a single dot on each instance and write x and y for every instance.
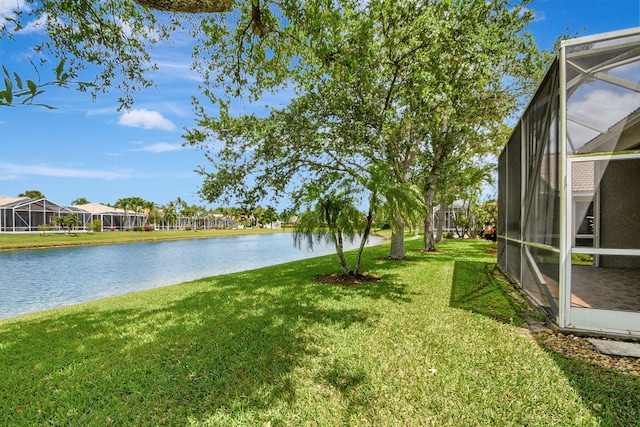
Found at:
(10, 242)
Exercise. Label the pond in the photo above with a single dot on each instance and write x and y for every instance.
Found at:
(36, 280)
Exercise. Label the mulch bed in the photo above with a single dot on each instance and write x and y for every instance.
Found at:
(347, 279)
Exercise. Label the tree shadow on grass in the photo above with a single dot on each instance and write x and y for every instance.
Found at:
(612, 397)
(221, 348)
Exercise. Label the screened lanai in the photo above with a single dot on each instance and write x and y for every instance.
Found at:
(22, 214)
(569, 180)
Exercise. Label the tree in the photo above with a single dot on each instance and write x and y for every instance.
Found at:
(265, 216)
(135, 204)
(68, 221)
(334, 218)
(32, 194)
(377, 85)
(80, 201)
(170, 214)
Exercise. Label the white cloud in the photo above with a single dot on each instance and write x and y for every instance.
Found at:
(159, 147)
(539, 16)
(36, 26)
(14, 170)
(143, 118)
(9, 7)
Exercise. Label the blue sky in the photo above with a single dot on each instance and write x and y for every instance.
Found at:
(89, 149)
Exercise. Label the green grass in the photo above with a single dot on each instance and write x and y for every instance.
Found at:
(9, 241)
(435, 342)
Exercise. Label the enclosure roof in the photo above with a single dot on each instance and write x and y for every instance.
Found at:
(39, 205)
(98, 208)
(11, 201)
(601, 37)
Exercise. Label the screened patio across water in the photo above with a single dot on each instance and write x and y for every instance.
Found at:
(569, 188)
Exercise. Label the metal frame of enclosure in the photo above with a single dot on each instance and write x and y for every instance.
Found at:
(25, 215)
(22, 214)
(569, 180)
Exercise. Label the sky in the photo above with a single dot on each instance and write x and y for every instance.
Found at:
(86, 148)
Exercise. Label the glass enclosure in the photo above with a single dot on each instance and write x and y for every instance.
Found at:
(569, 205)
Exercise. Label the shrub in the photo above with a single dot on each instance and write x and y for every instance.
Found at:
(95, 225)
(44, 228)
(148, 227)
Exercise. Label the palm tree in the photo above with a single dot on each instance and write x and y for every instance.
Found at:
(170, 215)
(124, 204)
(32, 194)
(333, 218)
(80, 201)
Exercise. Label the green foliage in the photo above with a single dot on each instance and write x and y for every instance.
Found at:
(44, 228)
(111, 38)
(80, 201)
(32, 194)
(95, 225)
(332, 218)
(371, 105)
(16, 93)
(67, 221)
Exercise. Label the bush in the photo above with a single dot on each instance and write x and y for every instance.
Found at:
(95, 225)
(448, 234)
(148, 227)
(44, 228)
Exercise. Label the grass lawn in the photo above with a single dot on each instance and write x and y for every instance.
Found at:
(9, 241)
(436, 342)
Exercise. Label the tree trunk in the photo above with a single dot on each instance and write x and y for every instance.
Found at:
(397, 241)
(442, 217)
(365, 237)
(340, 251)
(428, 244)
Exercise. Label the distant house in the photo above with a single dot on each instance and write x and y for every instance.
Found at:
(451, 214)
(22, 214)
(113, 218)
(569, 204)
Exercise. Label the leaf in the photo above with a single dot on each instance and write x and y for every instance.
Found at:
(60, 69)
(6, 73)
(8, 94)
(32, 87)
(18, 80)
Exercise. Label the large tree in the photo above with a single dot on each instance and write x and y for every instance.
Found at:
(376, 86)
